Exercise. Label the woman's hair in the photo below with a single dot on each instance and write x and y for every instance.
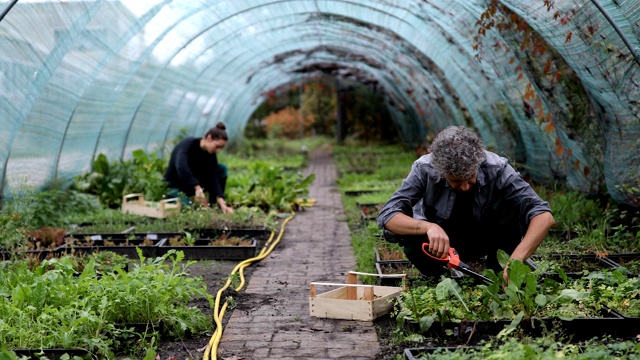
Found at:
(457, 152)
(218, 132)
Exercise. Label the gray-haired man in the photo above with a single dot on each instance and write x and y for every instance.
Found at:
(470, 199)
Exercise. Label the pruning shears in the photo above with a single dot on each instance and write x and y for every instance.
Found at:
(453, 261)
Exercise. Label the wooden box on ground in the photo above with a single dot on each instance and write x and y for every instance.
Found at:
(135, 204)
(352, 301)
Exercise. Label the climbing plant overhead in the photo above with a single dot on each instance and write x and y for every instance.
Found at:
(552, 84)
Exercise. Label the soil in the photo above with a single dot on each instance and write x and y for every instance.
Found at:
(215, 274)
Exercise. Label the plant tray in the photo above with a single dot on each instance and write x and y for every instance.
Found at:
(360, 192)
(397, 252)
(135, 204)
(394, 272)
(261, 235)
(626, 259)
(125, 247)
(52, 354)
(590, 262)
(610, 323)
(352, 301)
(201, 250)
(36, 254)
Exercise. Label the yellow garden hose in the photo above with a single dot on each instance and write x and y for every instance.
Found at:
(212, 348)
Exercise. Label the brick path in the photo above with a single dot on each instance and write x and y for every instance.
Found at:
(276, 324)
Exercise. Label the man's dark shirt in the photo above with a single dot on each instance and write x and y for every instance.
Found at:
(190, 165)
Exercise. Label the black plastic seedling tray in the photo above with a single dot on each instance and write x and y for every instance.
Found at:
(122, 236)
(201, 250)
(34, 254)
(360, 192)
(260, 235)
(125, 247)
(623, 259)
(386, 270)
(380, 259)
(609, 323)
(592, 262)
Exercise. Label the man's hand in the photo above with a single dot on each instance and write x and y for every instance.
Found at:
(438, 240)
(505, 274)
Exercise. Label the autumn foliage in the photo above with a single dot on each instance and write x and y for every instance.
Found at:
(287, 123)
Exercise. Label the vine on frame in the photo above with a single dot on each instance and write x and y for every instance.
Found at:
(499, 17)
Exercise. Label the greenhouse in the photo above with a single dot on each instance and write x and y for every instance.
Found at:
(324, 119)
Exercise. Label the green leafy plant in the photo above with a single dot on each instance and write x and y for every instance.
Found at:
(110, 181)
(267, 187)
(54, 306)
(189, 238)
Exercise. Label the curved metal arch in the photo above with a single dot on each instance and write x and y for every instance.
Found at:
(43, 74)
(230, 95)
(400, 70)
(202, 32)
(97, 70)
(184, 46)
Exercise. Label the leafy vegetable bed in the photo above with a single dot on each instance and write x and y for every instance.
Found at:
(529, 300)
(53, 306)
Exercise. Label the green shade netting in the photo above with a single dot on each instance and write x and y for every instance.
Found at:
(80, 78)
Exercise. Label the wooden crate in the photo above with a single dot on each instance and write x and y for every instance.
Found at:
(353, 301)
(135, 204)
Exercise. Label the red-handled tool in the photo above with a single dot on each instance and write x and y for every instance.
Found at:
(453, 261)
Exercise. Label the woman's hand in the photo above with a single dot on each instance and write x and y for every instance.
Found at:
(200, 197)
(223, 206)
(226, 209)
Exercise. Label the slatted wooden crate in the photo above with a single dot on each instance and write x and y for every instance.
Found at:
(352, 301)
(135, 204)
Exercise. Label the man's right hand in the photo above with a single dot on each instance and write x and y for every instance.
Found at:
(402, 224)
(438, 240)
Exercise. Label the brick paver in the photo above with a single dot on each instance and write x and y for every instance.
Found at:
(316, 246)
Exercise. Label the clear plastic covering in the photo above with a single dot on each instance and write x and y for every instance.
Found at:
(79, 78)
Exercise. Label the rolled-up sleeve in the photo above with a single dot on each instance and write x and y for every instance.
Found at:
(409, 194)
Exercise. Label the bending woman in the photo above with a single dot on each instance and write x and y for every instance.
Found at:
(194, 168)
